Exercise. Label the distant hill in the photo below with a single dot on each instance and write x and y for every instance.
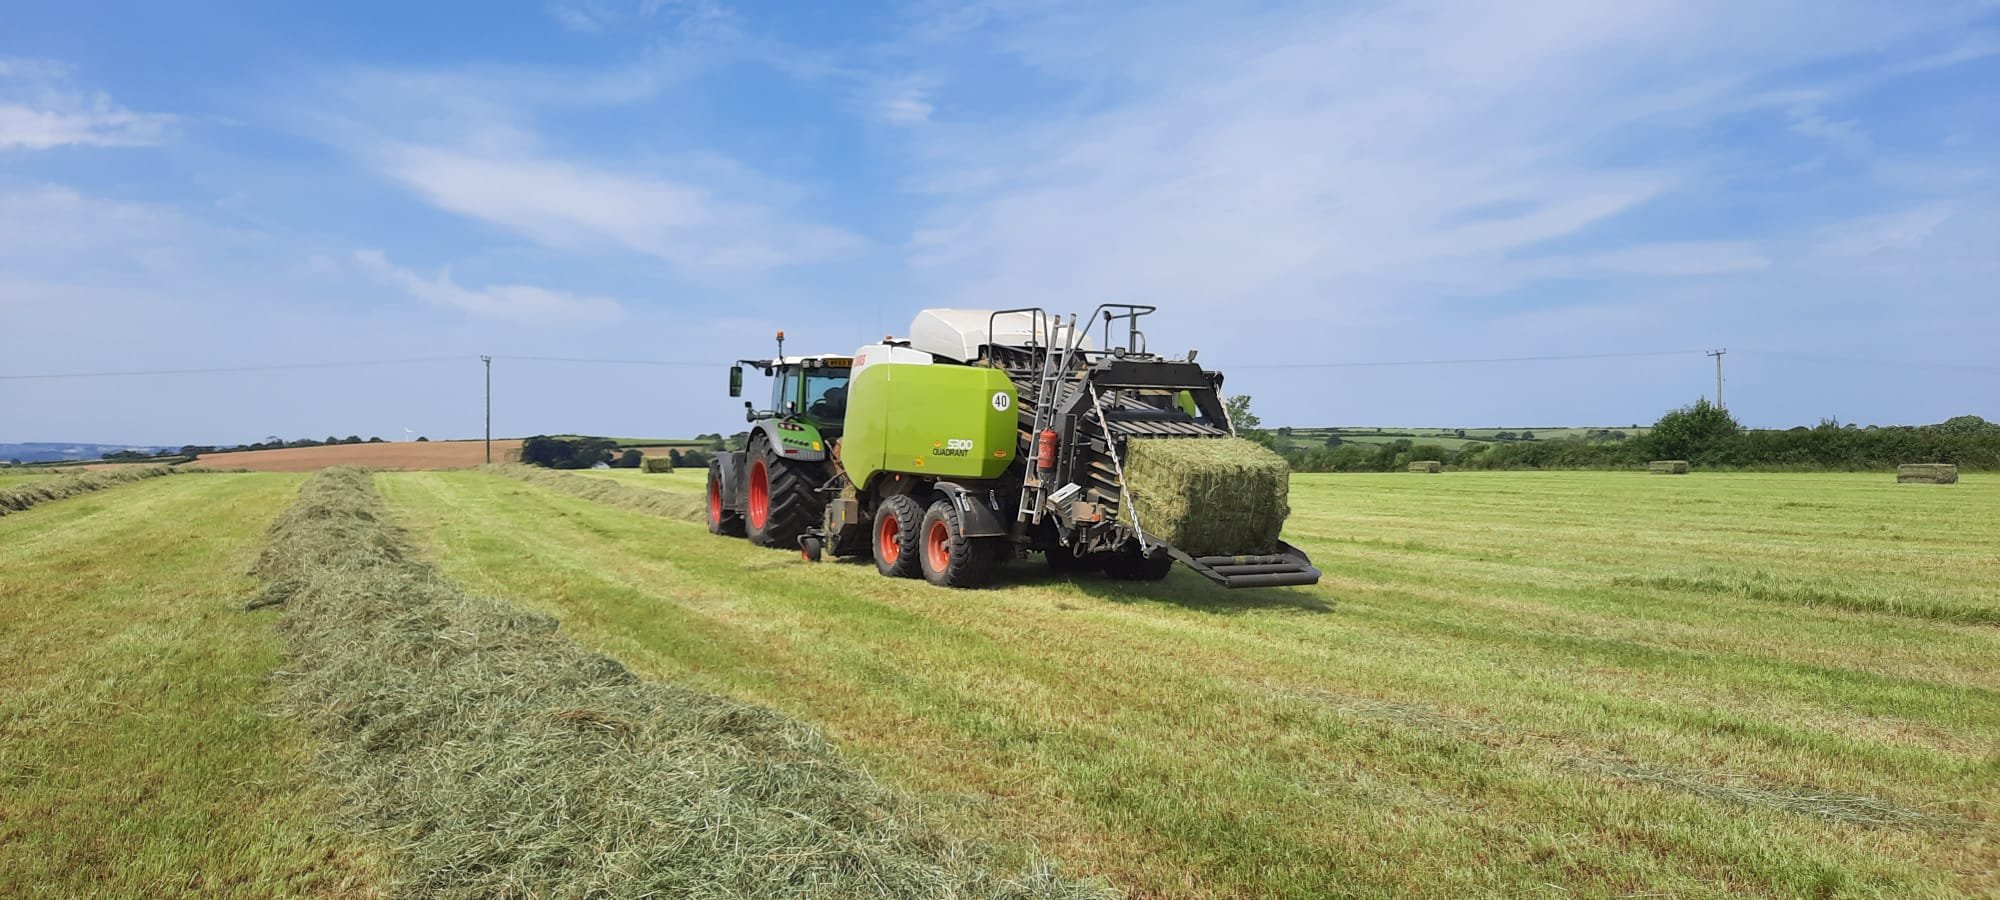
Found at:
(63, 452)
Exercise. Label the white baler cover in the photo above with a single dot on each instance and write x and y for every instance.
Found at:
(957, 334)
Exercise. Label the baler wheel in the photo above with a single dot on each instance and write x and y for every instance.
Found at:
(896, 522)
(1128, 564)
(950, 559)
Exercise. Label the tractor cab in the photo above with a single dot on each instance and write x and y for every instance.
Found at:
(808, 390)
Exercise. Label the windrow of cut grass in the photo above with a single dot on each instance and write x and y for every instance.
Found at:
(503, 759)
(672, 505)
(32, 492)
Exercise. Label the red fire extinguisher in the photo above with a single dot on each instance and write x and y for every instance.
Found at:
(1045, 452)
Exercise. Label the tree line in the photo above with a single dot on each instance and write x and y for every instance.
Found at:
(1702, 433)
(572, 452)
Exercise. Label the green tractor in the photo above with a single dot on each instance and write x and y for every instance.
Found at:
(984, 436)
(770, 491)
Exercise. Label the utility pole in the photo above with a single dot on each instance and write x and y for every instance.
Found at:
(488, 360)
(1718, 376)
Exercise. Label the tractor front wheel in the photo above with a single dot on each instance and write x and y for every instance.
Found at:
(950, 559)
(895, 528)
(721, 519)
(779, 501)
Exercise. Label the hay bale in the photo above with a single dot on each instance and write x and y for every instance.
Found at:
(1427, 466)
(654, 465)
(1927, 473)
(1668, 467)
(1208, 496)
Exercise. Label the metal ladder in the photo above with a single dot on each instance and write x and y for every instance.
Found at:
(1048, 387)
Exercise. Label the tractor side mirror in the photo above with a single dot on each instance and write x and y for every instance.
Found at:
(735, 381)
(791, 407)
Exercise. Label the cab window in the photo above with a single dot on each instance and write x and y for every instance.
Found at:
(826, 396)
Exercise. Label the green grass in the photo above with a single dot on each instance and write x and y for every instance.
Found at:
(137, 755)
(684, 480)
(1507, 683)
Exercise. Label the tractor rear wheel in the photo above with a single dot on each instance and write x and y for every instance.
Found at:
(721, 519)
(1129, 564)
(950, 559)
(780, 500)
(895, 528)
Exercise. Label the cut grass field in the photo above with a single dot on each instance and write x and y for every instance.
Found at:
(138, 757)
(1507, 683)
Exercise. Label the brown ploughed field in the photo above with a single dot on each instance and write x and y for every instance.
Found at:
(396, 455)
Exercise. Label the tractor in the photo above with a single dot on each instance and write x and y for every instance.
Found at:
(982, 437)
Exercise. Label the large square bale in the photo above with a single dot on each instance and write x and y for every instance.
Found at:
(1427, 466)
(1668, 467)
(656, 464)
(1208, 496)
(1927, 473)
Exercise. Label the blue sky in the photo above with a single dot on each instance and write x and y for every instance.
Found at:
(1814, 185)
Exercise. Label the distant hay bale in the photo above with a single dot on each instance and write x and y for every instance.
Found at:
(1208, 496)
(1427, 466)
(1927, 473)
(654, 465)
(1668, 467)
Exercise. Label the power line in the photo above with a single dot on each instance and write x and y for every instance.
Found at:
(1462, 362)
(1855, 361)
(614, 362)
(279, 367)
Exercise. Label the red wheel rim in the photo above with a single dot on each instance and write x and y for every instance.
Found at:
(760, 495)
(714, 502)
(938, 545)
(885, 539)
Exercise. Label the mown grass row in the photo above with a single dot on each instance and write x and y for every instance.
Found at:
(33, 492)
(611, 493)
(500, 758)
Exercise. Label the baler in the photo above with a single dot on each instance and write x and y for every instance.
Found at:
(982, 437)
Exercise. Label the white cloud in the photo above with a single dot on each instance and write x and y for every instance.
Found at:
(518, 302)
(575, 207)
(902, 101)
(1671, 259)
(1871, 235)
(1308, 160)
(583, 17)
(40, 109)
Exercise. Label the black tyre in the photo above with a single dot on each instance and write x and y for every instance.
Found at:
(1060, 559)
(779, 501)
(950, 559)
(1128, 564)
(897, 521)
(721, 520)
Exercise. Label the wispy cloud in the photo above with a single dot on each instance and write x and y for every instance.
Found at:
(517, 302)
(581, 208)
(1312, 160)
(41, 108)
